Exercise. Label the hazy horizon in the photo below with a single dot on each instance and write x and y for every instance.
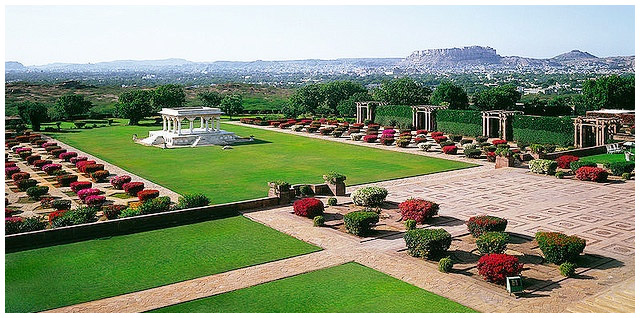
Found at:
(38, 35)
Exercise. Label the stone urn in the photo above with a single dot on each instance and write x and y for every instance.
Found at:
(503, 162)
(336, 185)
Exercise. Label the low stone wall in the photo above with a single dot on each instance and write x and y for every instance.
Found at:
(81, 232)
(578, 152)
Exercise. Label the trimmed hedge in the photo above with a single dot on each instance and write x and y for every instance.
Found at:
(543, 129)
(543, 166)
(558, 248)
(619, 167)
(360, 222)
(459, 122)
(492, 242)
(478, 225)
(427, 243)
(394, 115)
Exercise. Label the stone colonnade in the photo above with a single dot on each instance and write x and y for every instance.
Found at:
(366, 111)
(504, 121)
(173, 123)
(428, 119)
(600, 130)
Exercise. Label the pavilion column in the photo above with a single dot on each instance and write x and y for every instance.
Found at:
(218, 125)
(206, 124)
(168, 123)
(191, 125)
(164, 123)
(201, 122)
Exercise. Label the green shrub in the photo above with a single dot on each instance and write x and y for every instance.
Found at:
(25, 184)
(332, 201)
(129, 212)
(306, 190)
(155, 205)
(543, 166)
(193, 201)
(543, 129)
(481, 139)
(478, 225)
(445, 264)
(16, 225)
(619, 167)
(394, 115)
(459, 122)
(558, 247)
(567, 269)
(410, 224)
(37, 191)
(78, 216)
(369, 196)
(427, 243)
(334, 177)
(360, 222)
(575, 165)
(318, 220)
(560, 175)
(492, 242)
(472, 152)
(626, 176)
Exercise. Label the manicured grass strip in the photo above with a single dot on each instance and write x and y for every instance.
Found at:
(63, 275)
(243, 172)
(349, 287)
(607, 157)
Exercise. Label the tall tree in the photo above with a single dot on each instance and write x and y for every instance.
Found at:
(134, 105)
(609, 92)
(70, 106)
(335, 92)
(450, 94)
(306, 99)
(210, 99)
(232, 104)
(499, 97)
(347, 107)
(169, 95)
(33, 113)
(402, 91)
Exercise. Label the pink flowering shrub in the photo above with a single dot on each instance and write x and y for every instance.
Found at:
(66, 156)
(118, 181)
(51, 168)
(9, 171)
(84, 193)
(94, 200)
(75, 160)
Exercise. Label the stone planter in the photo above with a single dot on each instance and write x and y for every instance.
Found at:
(503, 162)
(337, 187)
(275, 190)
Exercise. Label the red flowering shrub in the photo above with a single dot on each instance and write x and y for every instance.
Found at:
(22, 138)
(84, 193)
(450, 150)
(91, 168)
(39, 142)
(133, 188)
(499, 142)
(565, 161)
(9, 171)
(496, 268)
(145, 195)
(9, 164)
(51, 148)
(99, 175)
(592, 174)
(81, 164)
(20, 176)
(308, 207)
(418, 210)
(57, 152)
(75, 160)
(41, 163)
(118, 181)
(491, 156)
(24, 154)
(79, 185)
(56, 214)
(31, 159)
(111, 212)
(422, 132)
(66, 156)
(440, 139)
(478, 225)
(66, 179)
(95, 200)
(419, 140)
(51, 168)
(437, 134)
(370, 138)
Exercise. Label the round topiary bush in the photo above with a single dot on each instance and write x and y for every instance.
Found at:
(492, 242)
(445, 264)
(132, 188)
(478, 225)
(306, 190)
(450, 150)
(308, 207)
(410, 224)
(369, 196)
(99, 176)
(118, 181)
(25, 184)
(567, 269)
(149, 194)
(496, 268)
(427, 243)
(37, 191)
(360, 222)
(332, 201)
(418, 210)
(318, 220)
(558, 248)
(592, 174)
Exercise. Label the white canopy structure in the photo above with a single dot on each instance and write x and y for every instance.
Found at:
(174, 135)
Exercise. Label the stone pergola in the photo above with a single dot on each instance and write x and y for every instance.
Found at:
(172, 118)
(366, 110)
(423, 116)
(501, 118)
(594, 131)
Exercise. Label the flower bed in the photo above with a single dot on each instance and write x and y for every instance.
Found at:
(370, 138)
(51, 168)
(75, 160)
(57, 152)
(437, 134)
(79, 185)
(91, 168)
(440, 139)
(84, 193)
(81, 164)
(145, 195)
(132, 188)
(499, 142)
(478, 225)
(20, 176)
(48, 144)
(41, 163)
(95, 200)
(31, 159)
(118, 181)
(66, 156)
(99, 176)
(66, 179)
(418, 210)
(308, 207)
(496, 268)
(9, 164)
(111, 212)
(592, 174)
(558, 248)
(25, 184)
(9, 171)
(564, 162)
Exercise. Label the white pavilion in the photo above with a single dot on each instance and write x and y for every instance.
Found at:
(174, 135)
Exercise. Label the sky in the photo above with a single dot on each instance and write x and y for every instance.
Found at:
(36, 35)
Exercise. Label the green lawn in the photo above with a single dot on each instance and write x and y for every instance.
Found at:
(243, 172)
(607, 157)
(62, 275)
(346, 288)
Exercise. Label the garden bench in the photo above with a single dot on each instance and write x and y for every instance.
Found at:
(613, 148)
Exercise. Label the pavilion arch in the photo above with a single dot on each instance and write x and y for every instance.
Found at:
(366, 110)
(424, 116)
(498, 123)
(594, 131)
